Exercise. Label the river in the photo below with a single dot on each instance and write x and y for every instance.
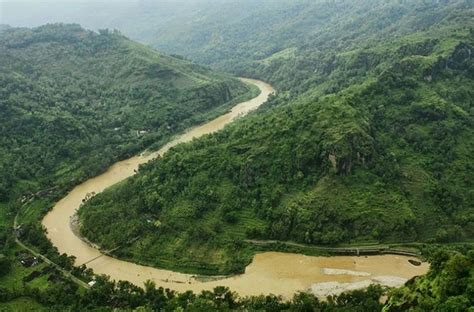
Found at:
(270, 272)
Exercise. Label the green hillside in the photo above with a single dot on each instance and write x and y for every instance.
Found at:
(291, 44)
(384, 156)
(448, 286)
(73, 101)
(368, 141)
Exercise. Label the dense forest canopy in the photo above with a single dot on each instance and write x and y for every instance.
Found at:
(73, 101)
(448, 286)
(368, 140)
(376, 146)
(285, 42)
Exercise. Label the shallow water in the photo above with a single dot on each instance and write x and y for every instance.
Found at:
(270, 272)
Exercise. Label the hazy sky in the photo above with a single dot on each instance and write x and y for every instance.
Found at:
(37, 12)
(62, 1)
(135, 18)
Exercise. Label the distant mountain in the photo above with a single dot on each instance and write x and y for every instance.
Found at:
(4, 27)
(288, 43)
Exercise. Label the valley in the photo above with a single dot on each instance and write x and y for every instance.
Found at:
(276, 273)
(337, 176)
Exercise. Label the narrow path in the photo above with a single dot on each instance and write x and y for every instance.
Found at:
(356, 249)
(65, 273)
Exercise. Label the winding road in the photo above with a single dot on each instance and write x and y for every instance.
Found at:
(270, 272)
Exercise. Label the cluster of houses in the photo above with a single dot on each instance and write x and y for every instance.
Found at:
(27, 260)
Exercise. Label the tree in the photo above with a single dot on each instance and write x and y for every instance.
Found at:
(5, 265)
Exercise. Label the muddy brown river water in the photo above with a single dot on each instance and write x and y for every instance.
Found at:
(270, 272)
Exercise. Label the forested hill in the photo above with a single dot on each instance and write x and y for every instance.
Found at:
(298, 44)
(72, 101)
(380, 150)
(368, 140)
(448, 286)
(293, 44)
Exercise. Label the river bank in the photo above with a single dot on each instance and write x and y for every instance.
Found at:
(270, 272)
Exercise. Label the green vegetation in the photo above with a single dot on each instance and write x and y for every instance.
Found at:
(5, 265)
(22, 304)
(72, 102)
(383, 157)
(448, 286)
(368, 141)
(123, 296)
(292, 44)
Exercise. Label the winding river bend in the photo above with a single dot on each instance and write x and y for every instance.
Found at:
(270, 272)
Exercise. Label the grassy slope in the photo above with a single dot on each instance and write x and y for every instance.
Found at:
(22, 305)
